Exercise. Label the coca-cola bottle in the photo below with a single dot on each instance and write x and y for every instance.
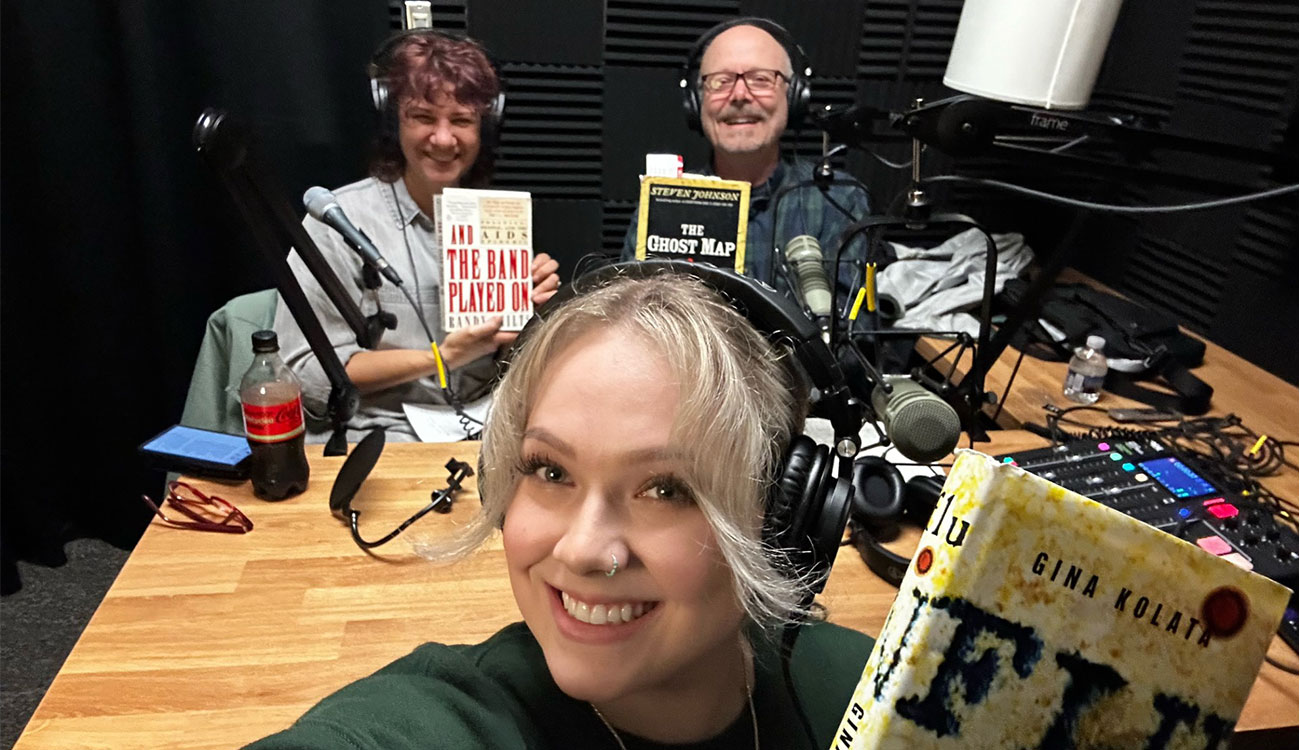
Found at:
(272, 401)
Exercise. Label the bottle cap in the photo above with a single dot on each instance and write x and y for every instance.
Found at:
(265, 341)
(1096, 343)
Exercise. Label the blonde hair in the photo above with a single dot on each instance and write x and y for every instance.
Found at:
(741, 404)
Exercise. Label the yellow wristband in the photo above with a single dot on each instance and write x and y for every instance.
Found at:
(442, 370)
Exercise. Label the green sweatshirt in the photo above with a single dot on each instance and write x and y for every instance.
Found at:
(499, 694)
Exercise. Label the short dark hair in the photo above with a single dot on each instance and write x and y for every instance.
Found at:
(419, 65)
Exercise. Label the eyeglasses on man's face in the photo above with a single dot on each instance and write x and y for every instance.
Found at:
(759, 81)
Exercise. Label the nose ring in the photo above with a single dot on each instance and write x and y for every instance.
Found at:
(614, 569)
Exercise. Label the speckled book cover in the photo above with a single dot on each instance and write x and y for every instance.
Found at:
(1032, 617)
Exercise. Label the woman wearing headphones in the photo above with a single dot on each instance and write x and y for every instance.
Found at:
(642, 453)
(440, 101)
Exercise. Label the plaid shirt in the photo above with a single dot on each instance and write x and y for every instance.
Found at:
(786, 206)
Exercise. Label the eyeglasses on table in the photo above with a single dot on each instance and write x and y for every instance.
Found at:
(201, 512)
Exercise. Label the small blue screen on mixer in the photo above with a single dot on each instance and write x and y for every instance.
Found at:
(1177, 477)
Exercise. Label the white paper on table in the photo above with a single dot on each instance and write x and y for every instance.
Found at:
(434, 423)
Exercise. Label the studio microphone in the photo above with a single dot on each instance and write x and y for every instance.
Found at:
(923, 426)
(805, 254)
(324, 207)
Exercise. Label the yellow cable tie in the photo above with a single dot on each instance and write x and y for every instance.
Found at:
(1258, 444)
(857, 303)
(871, 287)
(442, 370)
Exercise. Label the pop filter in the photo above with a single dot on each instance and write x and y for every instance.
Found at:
(355, 470)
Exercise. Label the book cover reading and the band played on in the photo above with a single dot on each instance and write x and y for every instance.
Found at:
(1031, 617)
(487, 241)
(683, 218)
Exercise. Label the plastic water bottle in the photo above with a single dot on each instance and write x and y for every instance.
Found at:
(272, 400)
(1087, 372)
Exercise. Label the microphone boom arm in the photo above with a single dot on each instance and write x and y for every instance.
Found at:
(225, 146)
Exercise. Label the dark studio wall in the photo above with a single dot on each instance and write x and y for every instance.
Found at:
(117, 243)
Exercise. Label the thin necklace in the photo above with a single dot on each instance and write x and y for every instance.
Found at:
(749, 698)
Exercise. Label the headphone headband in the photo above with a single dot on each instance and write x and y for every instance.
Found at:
(379, 69)
(798, 59)
(798, 93)
(768, 310)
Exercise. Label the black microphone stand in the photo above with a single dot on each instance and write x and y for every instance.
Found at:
(225, 145)
(966, 397)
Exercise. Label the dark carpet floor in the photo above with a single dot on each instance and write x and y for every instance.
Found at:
(40, 623)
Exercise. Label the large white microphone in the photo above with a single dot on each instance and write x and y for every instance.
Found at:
(805, 254)
(923, 426)
(324, 207)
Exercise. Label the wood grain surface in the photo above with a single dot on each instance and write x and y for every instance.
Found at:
(1266, 404)
(213, 640)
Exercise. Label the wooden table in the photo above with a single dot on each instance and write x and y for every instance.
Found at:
(1266, 403)
(212, 640)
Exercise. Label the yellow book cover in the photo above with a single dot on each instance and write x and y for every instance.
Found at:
(682, 218)
(1031, 617)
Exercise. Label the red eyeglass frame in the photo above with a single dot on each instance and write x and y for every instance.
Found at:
(234, 521)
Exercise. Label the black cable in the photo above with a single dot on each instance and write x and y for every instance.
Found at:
(838, 207)
(451, 397)
(1218, 448)
(788, 637)
(1284, 667)
(453, 400)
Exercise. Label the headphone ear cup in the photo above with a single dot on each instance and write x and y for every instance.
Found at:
(808, 511)
(690, 103)
(490, 124)
(787, 493)
(920, 497)
(878, 492)
(799, 98)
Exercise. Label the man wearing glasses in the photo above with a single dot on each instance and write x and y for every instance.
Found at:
(745, 81)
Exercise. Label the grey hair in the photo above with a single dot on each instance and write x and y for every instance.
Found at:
(741, 403)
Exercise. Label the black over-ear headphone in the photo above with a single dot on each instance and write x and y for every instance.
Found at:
(380, 68)
(798, 93)
(806, 507)
(881, 503)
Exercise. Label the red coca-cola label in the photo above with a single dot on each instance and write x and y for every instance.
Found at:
(274, 423)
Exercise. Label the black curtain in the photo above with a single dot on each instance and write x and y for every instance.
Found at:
(117, 242)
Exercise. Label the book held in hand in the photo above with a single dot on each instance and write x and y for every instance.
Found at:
(702, 220)
(487, 256)
(1031, 617)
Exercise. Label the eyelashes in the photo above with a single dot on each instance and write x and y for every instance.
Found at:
(541, 467)
(670, 488)
(666, 487)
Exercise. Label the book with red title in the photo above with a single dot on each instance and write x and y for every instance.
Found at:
(487, 255)
(1032, 617)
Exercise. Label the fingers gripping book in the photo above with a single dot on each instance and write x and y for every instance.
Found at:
(1031, 617)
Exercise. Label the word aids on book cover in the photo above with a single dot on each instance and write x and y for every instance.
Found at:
(1032, 618)
(487, 240)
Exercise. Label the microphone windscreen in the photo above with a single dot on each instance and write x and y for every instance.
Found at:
(318, 200)
(355, 470)
(805, 254)
(923, 426)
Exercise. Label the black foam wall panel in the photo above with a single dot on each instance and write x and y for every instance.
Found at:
(592, 87)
